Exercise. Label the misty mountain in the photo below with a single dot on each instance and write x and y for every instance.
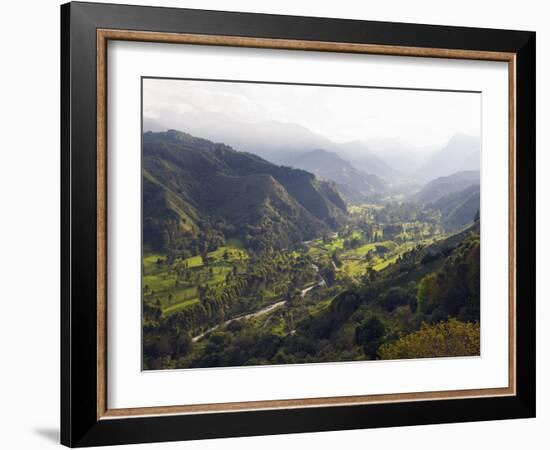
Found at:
(402, 156)
(277, 142)
(458, 209)
(363, 158)
(444, 186)
(196, 186)
(352, 183)
(462, 153)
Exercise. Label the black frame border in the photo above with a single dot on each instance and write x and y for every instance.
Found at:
(79, 424)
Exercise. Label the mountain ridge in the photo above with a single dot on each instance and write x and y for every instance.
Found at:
(351, 182)
(461, 153)
(204, 185)
(292, 139)
(445, 185)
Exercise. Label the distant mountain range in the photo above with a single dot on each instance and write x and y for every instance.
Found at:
(446, 185)
(462, 153)
(393, 160)
(400, 155)
(274, 141)
(363, 158)
(196, 185)
(278, 142)
(459, 208)
(456, 196)
(354, 184)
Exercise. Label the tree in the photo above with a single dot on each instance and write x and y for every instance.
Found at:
(329, 274)
(335, 257)
(454, 289)
(164, 346)
(428, 293)
(369, 335)
(394, 297)
(294, 295)
(204, 253)
(371, 274)
(184, 344)
(452, 338)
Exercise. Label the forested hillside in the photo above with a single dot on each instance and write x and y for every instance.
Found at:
(447, 185)
(247, 263)
(456, 197)
(428, 297)
(197, 193)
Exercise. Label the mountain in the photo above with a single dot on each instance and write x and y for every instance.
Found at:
(446, 185)
(402, 156)
(364, 159)
(275, 141)
(211, 191)
(462, 153)
(352, 183)
(272, 140)
(459, 208)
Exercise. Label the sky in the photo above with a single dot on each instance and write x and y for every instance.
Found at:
(423, 119)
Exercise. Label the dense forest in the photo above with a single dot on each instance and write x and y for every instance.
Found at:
(248, 262)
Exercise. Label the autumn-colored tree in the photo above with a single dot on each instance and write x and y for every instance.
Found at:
(452, 338)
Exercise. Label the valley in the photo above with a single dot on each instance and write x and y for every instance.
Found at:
(250, 263)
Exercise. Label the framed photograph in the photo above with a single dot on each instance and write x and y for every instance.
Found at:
(276, 224)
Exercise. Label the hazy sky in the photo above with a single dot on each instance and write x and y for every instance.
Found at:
(420, 118)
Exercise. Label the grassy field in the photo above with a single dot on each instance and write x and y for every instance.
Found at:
(160, 278)
(177, 293)
(354, 263)
(364, 249)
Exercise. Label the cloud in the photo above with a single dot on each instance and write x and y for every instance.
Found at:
(420, 118)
